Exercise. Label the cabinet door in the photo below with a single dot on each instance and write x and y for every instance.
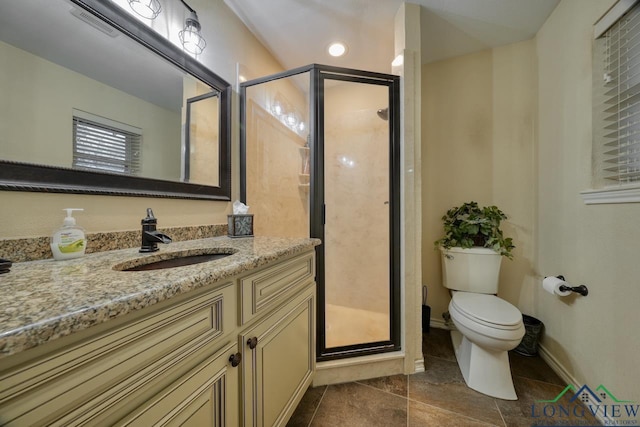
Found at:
(206, 396)
(278, 361)
(96, 381)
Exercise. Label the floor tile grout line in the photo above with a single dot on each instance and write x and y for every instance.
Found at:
(385, 391)
(409, 400)
(495, 402)
(438, 357)
(538, 381)
(454, 412)
(405, 398)
(315, 411)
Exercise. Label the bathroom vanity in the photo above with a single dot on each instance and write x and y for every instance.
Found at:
(225, 342)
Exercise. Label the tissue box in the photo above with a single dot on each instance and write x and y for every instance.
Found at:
(240, 225)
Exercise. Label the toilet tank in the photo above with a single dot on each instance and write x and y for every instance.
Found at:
(471, 270)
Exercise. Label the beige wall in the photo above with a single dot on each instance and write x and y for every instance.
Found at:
(34, 214)
(478, 143)
(594, 339)
(512, 127)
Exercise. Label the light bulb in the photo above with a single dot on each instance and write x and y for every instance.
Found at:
(337, 49)
(190, 37)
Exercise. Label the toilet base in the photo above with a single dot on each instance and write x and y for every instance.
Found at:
(485, 371)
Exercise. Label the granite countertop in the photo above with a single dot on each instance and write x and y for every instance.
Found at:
(45, 300)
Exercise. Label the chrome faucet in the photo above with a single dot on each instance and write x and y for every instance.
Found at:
(151, 237)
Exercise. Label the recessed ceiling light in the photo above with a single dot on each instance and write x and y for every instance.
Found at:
(337, 49)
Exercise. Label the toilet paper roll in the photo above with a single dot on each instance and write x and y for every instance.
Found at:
(552, 285)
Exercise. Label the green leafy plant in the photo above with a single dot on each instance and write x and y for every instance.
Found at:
(469, 225)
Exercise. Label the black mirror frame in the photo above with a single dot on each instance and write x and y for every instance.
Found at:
(18, 176)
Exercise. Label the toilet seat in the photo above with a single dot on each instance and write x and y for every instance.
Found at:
(487, 310)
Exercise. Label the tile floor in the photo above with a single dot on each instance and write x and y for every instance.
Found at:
(436, 397)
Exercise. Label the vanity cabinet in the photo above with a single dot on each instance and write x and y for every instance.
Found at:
(238, 352)
(278, 362)
(278, 351)
(96, 378)
(206, 396)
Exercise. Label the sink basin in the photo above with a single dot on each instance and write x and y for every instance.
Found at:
(173, 260)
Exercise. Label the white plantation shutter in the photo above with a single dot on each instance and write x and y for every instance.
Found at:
(617, 100)
(105, 145)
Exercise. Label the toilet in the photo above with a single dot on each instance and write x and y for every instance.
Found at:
(487, 326)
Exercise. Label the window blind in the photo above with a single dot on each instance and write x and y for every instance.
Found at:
(103, 147)
(617, 101)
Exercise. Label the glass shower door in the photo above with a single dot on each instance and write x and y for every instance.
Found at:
(320, 157)
(357, 241)
(277, 155)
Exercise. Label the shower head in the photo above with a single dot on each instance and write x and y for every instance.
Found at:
(383, 113)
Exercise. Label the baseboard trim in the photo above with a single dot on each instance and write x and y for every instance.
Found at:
(438, 324)
(566, 376)
(359, 368)
(556, 366)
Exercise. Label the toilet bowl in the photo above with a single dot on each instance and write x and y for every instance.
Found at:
(487, 328)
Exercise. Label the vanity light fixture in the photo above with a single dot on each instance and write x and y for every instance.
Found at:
(190, 36)
(149, 9)
(337, 49)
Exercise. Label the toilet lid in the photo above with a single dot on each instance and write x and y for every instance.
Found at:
(487, 309)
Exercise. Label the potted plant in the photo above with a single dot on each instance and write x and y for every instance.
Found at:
(469, 225)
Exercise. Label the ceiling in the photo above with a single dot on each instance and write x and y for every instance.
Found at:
(297, 32)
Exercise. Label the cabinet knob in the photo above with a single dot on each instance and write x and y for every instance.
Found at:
(252, 342)
(235, 359)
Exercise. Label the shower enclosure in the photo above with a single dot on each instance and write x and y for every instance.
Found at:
(320, 157)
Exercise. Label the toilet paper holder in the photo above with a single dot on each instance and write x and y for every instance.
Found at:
(582, 289)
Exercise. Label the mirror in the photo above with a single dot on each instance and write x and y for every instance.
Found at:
(96, 102)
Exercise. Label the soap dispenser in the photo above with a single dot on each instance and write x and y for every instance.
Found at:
(69, 241)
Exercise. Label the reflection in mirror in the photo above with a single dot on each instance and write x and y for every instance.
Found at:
(201, 158)
(80, 93)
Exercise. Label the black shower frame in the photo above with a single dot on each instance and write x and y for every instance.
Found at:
(319, 73)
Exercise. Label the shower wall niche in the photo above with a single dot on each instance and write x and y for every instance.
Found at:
(320, 158)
